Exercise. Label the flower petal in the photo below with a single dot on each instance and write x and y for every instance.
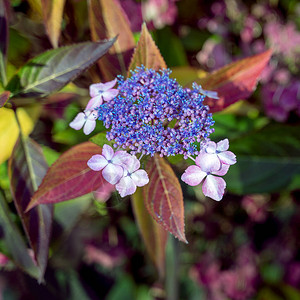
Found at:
(97, 162)
(211, 147)
(214, 187)
(227, 157)
(108, 85)
(78, 122)
(108, 95)
(112, 173)
(95, 88)
(89, 126)
(94, 102)
(193, 175)
(208, 162)
(224, 169)
(140, 177)
(133, 165)
(108, 152)
(122, 158)
(98, 88)
(126, 186)
(210, 94)
(223, 145)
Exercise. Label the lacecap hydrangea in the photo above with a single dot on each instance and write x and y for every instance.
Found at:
(150, 113)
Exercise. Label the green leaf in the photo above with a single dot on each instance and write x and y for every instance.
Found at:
(3, 39)
(267, 160)
(26, 169)
(100, 139)
(167, 40)
(15, 242)
(52, 70)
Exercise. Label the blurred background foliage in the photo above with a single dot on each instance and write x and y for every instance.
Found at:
(245, 247)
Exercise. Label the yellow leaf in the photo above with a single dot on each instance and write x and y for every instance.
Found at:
(9, 130)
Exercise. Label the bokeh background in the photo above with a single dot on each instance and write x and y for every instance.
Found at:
(244, 247)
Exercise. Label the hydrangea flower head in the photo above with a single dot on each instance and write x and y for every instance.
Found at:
(153, 114)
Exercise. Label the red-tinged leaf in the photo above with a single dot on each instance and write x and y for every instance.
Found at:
(146, 53)
(107, 19)
(235, 81)
(4, 97)
(69, 177)
(154, 235)
(163, 197)
(26, 169)
(14, 241)
(52, 14)
(3, 39)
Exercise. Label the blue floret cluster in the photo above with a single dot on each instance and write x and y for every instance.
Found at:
(154, 114)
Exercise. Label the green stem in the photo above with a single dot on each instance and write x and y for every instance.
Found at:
(172, 268)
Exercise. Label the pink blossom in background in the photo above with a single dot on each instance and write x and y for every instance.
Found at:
(207, 273)
(159, 12)
(283, 38)
(237, 283)
(256, 207)
(3, 260)
(280, 100)
(248, 33)
(213, 55)
(240, 283)
(106, 259)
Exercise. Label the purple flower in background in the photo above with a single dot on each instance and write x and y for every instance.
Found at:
(240, 282)
(111, 163)
(100, 92)
(86, 119)
(237, 283)
(280, 100)
(293, 274)
(213, 55)
(133, 11)
(283, 38)
(132, 178)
